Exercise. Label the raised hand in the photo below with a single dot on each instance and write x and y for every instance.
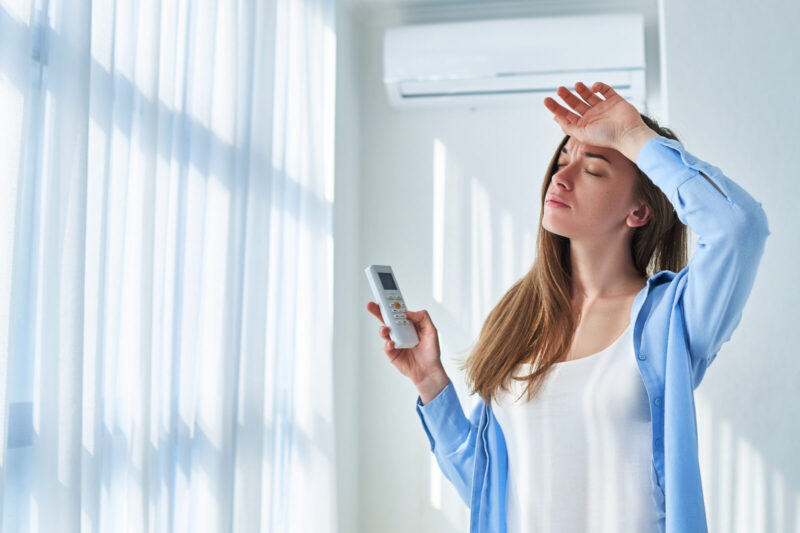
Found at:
(606, 122)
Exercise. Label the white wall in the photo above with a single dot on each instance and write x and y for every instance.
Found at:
(449, 198)
(346, 265)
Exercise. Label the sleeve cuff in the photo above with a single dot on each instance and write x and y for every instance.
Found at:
(668, 164)
(443, 420)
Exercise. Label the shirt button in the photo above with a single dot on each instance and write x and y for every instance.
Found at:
(658, 441)
(642, 356)
(657, 401)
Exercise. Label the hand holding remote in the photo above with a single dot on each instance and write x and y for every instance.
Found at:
(421, 364)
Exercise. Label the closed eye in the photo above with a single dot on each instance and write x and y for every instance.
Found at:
(564, 164)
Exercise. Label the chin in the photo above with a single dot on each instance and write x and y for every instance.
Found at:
(561, 232)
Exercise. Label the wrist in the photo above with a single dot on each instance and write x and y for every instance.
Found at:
(632, 141)
(432, 384)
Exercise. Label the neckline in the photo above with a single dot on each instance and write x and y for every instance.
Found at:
(593, 355)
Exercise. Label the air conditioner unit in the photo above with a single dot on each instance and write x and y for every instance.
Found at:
(513, 61)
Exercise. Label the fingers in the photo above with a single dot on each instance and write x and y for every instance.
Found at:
(605, 90)
(383, 331)
(564, 114)
(586, 94)
(576, 103)
(561, 113)
(375, 309)
(388, 344)
(392, 352)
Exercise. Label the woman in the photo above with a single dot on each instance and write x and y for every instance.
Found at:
(609, 441)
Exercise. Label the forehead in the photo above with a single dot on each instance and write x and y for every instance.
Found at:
(588, 150)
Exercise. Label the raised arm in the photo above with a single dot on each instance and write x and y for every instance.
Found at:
(732, 230)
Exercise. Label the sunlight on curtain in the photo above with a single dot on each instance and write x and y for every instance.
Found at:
(166, 189)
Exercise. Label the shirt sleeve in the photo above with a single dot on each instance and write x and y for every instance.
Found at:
(452, 437)
(732, 230)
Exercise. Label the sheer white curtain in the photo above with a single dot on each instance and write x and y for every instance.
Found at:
(166, 189)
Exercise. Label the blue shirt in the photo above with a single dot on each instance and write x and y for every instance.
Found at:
(680, 321)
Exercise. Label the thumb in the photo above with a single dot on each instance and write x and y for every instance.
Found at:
(565, 124)
(420, 318)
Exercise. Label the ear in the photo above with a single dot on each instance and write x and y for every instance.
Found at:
(639, 216)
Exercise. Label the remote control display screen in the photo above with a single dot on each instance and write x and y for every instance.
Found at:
(387, 281)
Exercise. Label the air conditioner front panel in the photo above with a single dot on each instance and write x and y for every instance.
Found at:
(552, 44)
(512, 61)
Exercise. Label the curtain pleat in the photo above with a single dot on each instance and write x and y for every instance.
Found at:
(166, 257)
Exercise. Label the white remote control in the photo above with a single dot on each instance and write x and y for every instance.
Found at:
(393, 308)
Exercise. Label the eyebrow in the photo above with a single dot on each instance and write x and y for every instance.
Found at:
(588, 154)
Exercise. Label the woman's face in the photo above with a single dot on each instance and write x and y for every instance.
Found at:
(597, 185)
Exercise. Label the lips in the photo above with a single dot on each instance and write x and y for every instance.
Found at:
(555, 200)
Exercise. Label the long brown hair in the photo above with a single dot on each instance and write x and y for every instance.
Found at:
(534, 320)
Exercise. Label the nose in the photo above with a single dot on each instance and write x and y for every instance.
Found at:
(563, 175)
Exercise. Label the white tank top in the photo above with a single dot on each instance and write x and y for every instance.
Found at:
(579, 453)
